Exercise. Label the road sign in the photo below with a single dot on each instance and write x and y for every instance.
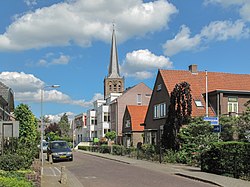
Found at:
(213, 120)
(217, 128)
(210, 118)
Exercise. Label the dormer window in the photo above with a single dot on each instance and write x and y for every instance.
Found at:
(198, 103)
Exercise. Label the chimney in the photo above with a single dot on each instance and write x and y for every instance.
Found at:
(193, 68)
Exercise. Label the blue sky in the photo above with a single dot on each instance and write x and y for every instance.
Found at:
(68, 43)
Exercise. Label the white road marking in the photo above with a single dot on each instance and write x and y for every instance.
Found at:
(58, 170)
(90, 177)
(54, 173)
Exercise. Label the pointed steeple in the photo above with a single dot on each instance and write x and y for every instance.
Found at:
(113, 83)
(113, 65)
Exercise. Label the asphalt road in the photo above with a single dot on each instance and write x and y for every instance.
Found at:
(93, 171)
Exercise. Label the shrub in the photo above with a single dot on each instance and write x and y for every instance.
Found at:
(227, 158)
(11, 162)
(85, 148)
(14, 179)
(105, 149)
(170, 156)
(118, 150)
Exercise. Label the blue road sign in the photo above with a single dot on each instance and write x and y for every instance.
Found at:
(210, 118)
(214, 122)
(217, 128)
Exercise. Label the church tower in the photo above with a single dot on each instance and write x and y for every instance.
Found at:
(113, 83)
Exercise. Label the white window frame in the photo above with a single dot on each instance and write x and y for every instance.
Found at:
(139, 99)
(233, 106)
(198, 103)
(160, 110)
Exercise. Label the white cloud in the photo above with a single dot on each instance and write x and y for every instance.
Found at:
(243, 6)
(181, 42)
(21, 82)
(224, 30)
(63, 59)
(56, 118)
(140, 63)
(30, 2)
(74, 22)
(27, 88)
(50, 59)
(215, 31)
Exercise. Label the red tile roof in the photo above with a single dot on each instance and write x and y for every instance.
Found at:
(137, 114)
(216, 81)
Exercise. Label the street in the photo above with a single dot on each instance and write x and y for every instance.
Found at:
(94, 171)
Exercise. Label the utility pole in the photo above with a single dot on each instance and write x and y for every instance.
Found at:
(206, 95)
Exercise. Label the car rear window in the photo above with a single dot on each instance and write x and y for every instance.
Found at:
(59, 145)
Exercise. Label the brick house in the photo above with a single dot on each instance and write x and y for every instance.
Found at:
(132, 131)
(137, 95)
(227, 93)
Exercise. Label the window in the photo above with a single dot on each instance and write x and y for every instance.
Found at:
(106, 117)
(119, 86)
(160, 110)
(127, 124)
(158, 87)
(115, 87)
(232, 104)
(139, 99)
(93, 121)
(198, 103)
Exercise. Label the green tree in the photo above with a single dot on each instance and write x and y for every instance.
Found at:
(179, 112)
(64, 125)
(53, 127)
(110, 135)
(28, 134)
(228, 124)
(244, 124)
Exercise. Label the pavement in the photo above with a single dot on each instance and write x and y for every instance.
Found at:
(52, 175)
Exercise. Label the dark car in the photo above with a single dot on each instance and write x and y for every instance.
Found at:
(59, 150)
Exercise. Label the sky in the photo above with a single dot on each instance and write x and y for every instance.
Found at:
(67, 42)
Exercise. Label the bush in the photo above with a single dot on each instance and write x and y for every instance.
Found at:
(85, 148)
(104, 149)
(11, 162)
(14, 179)
(227, 158)
(118, 150)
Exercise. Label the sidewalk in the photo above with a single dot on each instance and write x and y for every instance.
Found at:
(52, 177)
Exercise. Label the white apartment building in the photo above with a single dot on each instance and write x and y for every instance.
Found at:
(91, 131)
(79, 127)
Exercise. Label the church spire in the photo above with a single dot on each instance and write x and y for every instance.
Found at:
(113, 65)
(113, 83)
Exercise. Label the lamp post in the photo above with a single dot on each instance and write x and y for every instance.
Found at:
(42, 125)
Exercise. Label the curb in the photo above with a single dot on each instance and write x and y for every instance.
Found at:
(197, 178)
(108, 158)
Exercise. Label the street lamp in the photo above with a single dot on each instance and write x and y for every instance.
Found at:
(42, 125)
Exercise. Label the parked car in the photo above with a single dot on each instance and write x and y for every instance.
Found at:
(59, 150)
(45, 146)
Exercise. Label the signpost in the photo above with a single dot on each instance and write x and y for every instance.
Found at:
(217, 128)
(215, 122)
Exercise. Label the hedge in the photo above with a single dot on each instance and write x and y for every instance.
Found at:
(227, 158)
(14, 179)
